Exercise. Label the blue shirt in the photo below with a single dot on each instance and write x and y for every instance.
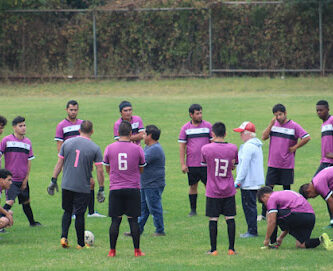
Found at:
(153, 175)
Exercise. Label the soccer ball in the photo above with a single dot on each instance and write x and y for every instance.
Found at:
(89, 238)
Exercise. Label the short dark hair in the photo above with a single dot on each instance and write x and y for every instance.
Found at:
(323, 102)
(3, 121)
(124, 104)
(194, 107)
(219, 129)
(17, 120)
(4, 173)
(262, 191)
(279, 107)
(125, 128)
(153, 131)
(303, 190)
(86, 127)
(72, 102)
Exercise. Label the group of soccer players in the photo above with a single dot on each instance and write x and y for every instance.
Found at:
(204, 155)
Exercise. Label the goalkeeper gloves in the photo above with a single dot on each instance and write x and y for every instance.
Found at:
(100, 194)
(53, 185)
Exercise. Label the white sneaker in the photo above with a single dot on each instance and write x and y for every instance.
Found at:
(261, 218)
(96, 214)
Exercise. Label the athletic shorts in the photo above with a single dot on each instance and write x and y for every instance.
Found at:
(299, 225)
(281, 176)
(75, 202)
(15, 191)
(125, 202)
(195, 174)
(322, 166)
(217, 206)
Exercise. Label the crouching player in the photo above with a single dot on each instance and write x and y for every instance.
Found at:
(321, 184)
(6, 217)
(294, 215)
(220, 158)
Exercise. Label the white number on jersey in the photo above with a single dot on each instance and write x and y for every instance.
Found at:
(221, 167)
(122, 162)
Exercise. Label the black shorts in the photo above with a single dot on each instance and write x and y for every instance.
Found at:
(15, 191)
(216, 206)
(322, 166)
(195, 174)
(75, 202)
(281, 176)
(299, 225)
(125, 202)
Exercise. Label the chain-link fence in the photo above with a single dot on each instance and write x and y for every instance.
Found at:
(229, 37)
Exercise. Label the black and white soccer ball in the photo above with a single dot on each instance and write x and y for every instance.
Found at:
(89, 238)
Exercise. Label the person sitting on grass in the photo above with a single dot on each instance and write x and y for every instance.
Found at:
(6, 217)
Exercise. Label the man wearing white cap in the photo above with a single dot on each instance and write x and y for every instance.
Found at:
(250, 174)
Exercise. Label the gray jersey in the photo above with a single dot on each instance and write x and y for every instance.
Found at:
(79, 153)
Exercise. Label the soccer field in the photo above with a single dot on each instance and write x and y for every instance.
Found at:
(163, 103)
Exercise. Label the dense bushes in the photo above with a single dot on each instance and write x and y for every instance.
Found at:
(175, 42)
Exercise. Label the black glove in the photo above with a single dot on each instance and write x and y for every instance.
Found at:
(100, 194)
(53, 185)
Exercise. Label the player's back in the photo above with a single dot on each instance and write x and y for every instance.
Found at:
(124, 159)
(220, 158)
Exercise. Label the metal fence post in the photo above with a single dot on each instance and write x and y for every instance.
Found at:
(94, 44)
(320, 13)
(210, 42)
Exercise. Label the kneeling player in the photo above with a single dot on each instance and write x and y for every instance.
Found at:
(6, 217)
(321, 184)
(220, 158)
(124, 161)
(294, 215)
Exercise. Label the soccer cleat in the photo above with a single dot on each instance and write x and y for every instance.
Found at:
(96, 214)
(35, 224)
(231, 252)
(3, 230)
(64, 242)
(326, 241)
(112, 253)
(80, 247)
(138, 252)
(192, 213)
(271, 246)
(213, 253)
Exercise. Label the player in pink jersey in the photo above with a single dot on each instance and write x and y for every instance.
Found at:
(220, 158)
(3, 122)
(17, 151)
(68, 128)
(323, 112)
(193, 135)
(124, 161)
(283, 135)
(321, 184)
(294, 215)
(126, 111)
(6, 217)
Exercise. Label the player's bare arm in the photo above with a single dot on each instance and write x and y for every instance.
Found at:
(25, 181)
(182, 151)
(107, 169)
(137, 137)
(267, 131)
(100, 175)
(58, 168)
(8, 216)
(300, 143)
(271, 224)
(279, 240)
(59, 144)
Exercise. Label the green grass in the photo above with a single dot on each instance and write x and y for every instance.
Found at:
(164, 103)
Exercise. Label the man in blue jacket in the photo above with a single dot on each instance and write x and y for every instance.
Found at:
(250, 174)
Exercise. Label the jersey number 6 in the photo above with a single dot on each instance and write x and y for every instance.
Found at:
(122, 162)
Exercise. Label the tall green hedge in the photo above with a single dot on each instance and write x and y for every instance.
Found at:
(174, 42)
